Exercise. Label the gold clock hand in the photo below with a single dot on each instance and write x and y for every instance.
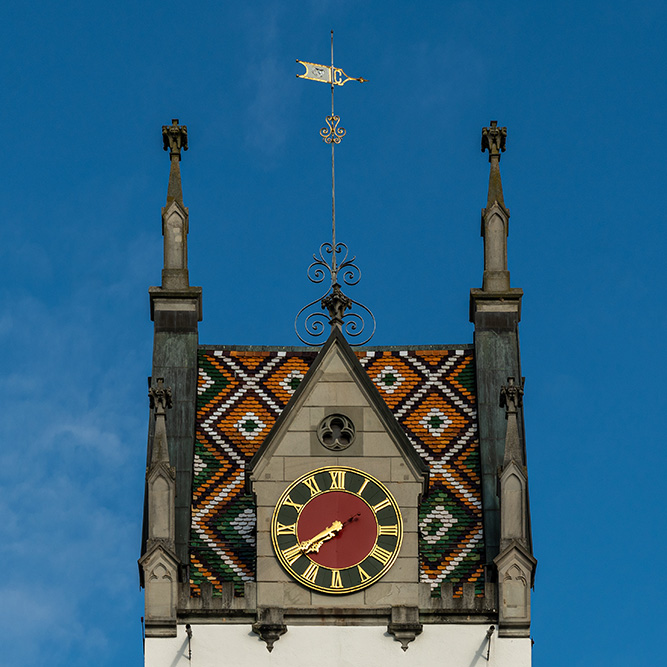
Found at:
(316, 542)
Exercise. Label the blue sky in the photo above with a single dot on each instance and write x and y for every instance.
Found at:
(86, 89)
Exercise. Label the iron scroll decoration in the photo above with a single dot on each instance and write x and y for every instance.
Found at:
(334, 307)
(310, 322)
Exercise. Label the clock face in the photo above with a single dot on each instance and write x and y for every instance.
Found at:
(337, 529)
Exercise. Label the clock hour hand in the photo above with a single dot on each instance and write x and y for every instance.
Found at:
(316, 542)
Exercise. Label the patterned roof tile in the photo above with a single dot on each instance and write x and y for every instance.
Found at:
(242, 392)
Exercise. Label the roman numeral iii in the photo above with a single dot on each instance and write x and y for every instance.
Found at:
(381, 554)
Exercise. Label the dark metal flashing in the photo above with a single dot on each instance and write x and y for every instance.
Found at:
(175, 359)
(311, 348)
(176, 321)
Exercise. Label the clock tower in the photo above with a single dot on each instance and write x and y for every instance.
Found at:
(336, 504)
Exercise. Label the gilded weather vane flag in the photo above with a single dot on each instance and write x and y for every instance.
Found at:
(310, 321)
(326, 74)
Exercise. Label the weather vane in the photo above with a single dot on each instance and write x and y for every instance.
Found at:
(310, 319)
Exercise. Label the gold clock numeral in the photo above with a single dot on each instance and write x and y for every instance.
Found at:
(335, 579)
(311, 572)
(308, 497)
(382, 505)
(312, 485)
(337, 479)
(381, 554)
(291, 503)
(292, 554)
(283, 529)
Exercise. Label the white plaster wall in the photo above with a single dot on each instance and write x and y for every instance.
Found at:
(330, 646)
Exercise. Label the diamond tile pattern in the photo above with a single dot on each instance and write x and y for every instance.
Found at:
(430, 392)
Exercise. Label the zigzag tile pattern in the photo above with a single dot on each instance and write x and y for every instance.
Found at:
(430, 392)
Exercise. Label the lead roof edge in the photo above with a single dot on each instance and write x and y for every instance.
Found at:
(311, 348)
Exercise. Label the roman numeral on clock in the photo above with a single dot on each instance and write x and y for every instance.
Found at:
(381, 554)
(388, 530)
(291, 503)
(335, 579)
(283, 529)
(292, 554)
(311, 572)
(337, 479)
(363, 574)
(382, 505)
(312, 485)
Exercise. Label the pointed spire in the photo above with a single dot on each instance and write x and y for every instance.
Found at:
(511, 398)
(493, 140)
(175, 214)
(176, 299)
(160, 399)
(175, 138)
(495, 217)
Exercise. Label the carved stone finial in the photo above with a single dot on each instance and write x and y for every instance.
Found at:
(511, 396)
(336, 303)
(270, 626)
(175, 138)
(160, 396)
(404, 625)
(493, 140)
(160, 400)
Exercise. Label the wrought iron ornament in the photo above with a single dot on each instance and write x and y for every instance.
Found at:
(332, 134)
(310, 321)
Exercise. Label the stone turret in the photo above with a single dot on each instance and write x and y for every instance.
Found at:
(159, 564)
(495, 310)
(515, 562)
(176, 309)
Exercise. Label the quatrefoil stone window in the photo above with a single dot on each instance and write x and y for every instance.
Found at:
(336, 432)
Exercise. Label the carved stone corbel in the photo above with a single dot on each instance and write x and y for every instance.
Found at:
(270, 626)
(405, 625)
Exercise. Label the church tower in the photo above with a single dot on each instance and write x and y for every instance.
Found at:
(336, 504)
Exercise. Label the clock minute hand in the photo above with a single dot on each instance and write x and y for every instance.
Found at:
(316, 542)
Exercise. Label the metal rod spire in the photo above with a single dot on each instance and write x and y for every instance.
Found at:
(334, 266)
(333, 301)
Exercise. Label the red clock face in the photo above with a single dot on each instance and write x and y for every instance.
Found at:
(353, 542)
(337, 529)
